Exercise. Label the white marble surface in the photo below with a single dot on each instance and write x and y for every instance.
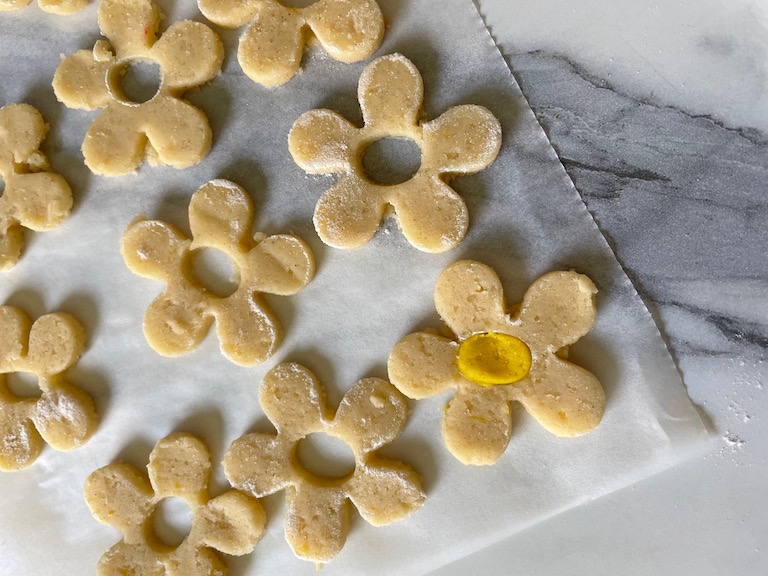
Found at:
(658, 112)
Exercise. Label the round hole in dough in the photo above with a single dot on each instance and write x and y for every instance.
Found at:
(172, 521)
(325, 456)
(391, 160)
(23, 385)
(215, 271)
(135, 81)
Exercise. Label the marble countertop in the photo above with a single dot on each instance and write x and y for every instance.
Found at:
(659, 113)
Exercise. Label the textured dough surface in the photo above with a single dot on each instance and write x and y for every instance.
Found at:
(220, 216)
(63, 416)
(432, 216)
(556, 310)
(179, 466)
(165, 128)
(371, 414)
(61, 7)
(34, 197)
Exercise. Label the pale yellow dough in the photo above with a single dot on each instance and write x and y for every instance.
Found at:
(34, 197)
(220, 217)
(272, 45)
(61, 7)
(557, 310)
(371, 414)
(179, 466)
(166, 129)
(63, 416)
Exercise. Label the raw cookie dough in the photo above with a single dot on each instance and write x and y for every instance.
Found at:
(61, 7)
(431, 215)
(34, 197)
(179, 466)
(220, 217)
(272, 46)
(370, 415)
(63, 416)
(167, 129)
(528, 345)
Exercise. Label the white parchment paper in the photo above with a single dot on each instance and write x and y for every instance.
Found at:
(526, 219)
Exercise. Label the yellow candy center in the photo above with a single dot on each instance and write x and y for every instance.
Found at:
(493, 358)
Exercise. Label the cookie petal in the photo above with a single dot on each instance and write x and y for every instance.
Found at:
(42, 200)
(470, 299)
(130, 559)
(432, 216)
(20, 444)
(371, 414)
(130, 25)
(11, 245)
(280, 264)
(22, 130)
(113, 145)
(120, 496)
(259, 464)
(271, 47)
(293, 400)
(423, 365)
(348, 215)
(14, 331)
(463, 140)
(56, 341)
(153, 249)
(65, 416)
(477, 425)
(62, 7)
(180, 466)
(248, 333)
(232, 523)
(322, 142)
(566, 399)
(220, 216)
(190, 139)
(80, 81)
(189, 54)
(386, 491)
(391, 92)
(228, 13)
(349, 30)
(557, 310)
(8, 5)
(173, 328)
(316, 522)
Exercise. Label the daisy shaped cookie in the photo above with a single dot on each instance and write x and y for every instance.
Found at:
(220, 217)
(179, 466)
(272, 46)
(431, 215)
(165, 128)
(61, 7)
(371, 415)
(497, 358)
(33, 198)
(63, 416)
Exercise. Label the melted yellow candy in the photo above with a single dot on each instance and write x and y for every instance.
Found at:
(493, 358)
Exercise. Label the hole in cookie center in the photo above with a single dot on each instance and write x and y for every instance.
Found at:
(391, 160)
(325, 456)
(172, 521)
(2, 186)
(215, 271)
(135, 81)
(297, 3)
(23, 385)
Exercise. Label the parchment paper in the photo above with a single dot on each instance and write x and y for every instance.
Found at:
(526, 219)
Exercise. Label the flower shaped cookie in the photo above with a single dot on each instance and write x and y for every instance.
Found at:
(61, 7)
(498, 358)
(179, 466)
(272, 46)
(63, 416)
(166, 128)
(432, 216)
(33, 197)
(220, 217)
(371, 415)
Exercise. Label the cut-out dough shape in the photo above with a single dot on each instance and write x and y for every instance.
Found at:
(556, 311)
(272, 45)
(34, 197)
(371, 414)
(64, 416)
(179, 466)
(166, 129)
(60, 7)
(431, 215)
(220, 217)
